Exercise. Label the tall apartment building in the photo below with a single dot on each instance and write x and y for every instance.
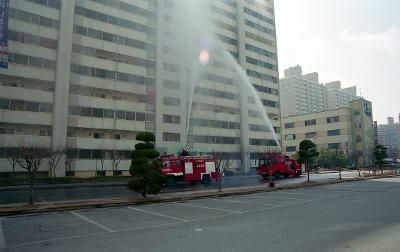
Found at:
(89, 74)
(337, 97)
(303, 94)
(349, 129)
(389, 134)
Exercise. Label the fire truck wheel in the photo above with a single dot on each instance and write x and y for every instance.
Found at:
(277, 175)
(170, 180)
(286, 175)
(206, 179)
(265, 177)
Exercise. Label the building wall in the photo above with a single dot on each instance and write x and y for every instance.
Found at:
(332, 133)
(90, 74)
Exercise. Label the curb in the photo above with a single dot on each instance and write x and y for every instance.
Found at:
(170, 197)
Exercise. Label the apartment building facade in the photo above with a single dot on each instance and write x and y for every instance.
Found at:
(347, 129)
(88, 75)
(389, 135)
(303, 93)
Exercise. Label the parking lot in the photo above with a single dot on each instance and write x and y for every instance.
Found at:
(233, 223)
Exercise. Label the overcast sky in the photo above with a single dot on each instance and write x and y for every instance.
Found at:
(355, 41)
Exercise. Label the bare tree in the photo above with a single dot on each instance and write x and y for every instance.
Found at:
(116, 157)
(12, 157)
(70, 155)
(29, 158)
(222, 164)
(101, 156)
(56, 154)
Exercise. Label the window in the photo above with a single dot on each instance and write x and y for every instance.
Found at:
(171, 101)
(140, 117)
(4, 103)
(86, 111)
(44, 132)
(335, 132)
(32, 106)
(333, 119)
(116, 136)
(171, 137)
(311, 134)
(334, 146)
(120, 115)
(171, 119)
(97, 112)
(7, 131)
(109, 113)
(171, 84)
(17, 105)
(290, 125)
(310, 122)
(290, 137)
(131, 116)
(291, 149)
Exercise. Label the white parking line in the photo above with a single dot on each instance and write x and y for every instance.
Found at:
(204, 207)
(159, 214)
(93, 222)
(272, 197)
(3, 243)
(248, 203)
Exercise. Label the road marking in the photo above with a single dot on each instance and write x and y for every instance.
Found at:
(269, 197)
(204, 207)
(248, 203)
(93, 222)
(159, 214)
(3, 243)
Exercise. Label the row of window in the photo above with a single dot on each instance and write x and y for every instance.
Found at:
(261, 76)
(267, 90)
(102, 54)
(258, 15)
(31, 61)
(258, 128)
(227, 40)
(11, 131)
(222, 12)
(216, 93)
(215, 108)
(261, 5)
(127, 7)
(228, 2)
(21, 105)
(335, 132)
(171, 137)
(32, 39)
(110, 114)
(331, 146)
(114, 20)
(213, 139)
(171, 101)
(217, 78)
(171, 84)
(259, 27)
(268, 103)
(33, 18)
(113, 38)
(214, 123)
(56, 4)
(112, 75)
(174, 119)
(313, 122)
(14, 81)
(260, 51)
(171, 67)
(261, 63)
(262, 142)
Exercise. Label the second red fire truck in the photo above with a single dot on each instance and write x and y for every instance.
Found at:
(278, 165)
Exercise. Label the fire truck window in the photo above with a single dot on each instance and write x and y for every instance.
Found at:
(166, 163)
(263, 162)
(176, 162)
(290, 166)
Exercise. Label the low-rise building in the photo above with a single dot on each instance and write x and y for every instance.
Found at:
(348, 129)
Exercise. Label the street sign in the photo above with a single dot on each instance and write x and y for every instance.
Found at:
(4, 4)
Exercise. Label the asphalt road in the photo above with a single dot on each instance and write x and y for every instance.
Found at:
(61, 192)
(356, 216)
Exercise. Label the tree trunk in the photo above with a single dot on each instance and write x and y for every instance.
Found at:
(31, 190)
(220, 183)
(340, 172)
(381, 169)
(308, 172)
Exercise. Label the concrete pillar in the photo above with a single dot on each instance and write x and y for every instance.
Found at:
(244, 122)
(62, 81)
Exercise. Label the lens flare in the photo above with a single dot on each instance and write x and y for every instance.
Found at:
(204, 57)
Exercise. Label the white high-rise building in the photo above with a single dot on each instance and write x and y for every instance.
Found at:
(88, 75)
(303, 94)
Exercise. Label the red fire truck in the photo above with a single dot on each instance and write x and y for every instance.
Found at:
(189, 168)
(282, 165)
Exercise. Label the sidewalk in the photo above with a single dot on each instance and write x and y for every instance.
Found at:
(14, 209)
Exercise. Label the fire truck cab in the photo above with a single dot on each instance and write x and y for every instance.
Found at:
(188, 168)
(282, 165)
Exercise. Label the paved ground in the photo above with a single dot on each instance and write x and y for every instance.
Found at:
(356, 216)
(48, 193)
